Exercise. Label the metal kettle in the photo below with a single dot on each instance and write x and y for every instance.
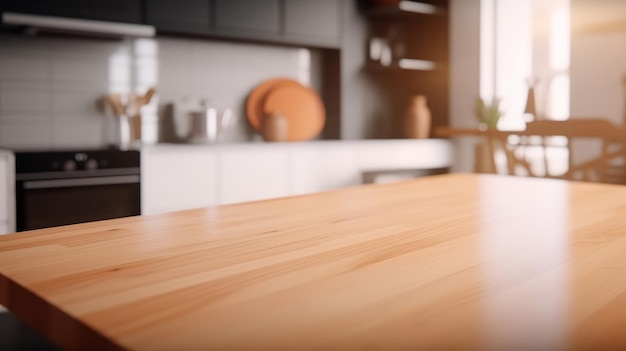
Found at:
(207, 125)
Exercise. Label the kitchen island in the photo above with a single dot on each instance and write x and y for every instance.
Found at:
(445, 262)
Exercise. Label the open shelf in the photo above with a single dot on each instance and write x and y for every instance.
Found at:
(407, 54)
(404, 8)
(405, 65)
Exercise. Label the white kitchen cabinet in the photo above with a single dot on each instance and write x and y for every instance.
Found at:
(403, 154)
(248, 173)
(178, 178)
(323, 168)
(7, 192)
(4, 189)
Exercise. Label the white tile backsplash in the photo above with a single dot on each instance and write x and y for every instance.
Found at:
(175, 75)
(72, 102)
(85, 71)
(26, 44)
(50, 86)
(26, 134)
(78, 133)
(84, 47)
(222, 73)
(24, 67)
(24, 100)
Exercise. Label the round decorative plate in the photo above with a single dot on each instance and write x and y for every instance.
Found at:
(301, 106)
(254, 104)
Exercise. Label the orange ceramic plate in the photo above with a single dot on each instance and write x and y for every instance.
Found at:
(254, 105)
(301, 106)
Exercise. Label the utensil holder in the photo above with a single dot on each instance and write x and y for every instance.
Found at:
(124, 136)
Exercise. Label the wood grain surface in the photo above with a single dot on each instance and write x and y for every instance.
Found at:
(451, 262)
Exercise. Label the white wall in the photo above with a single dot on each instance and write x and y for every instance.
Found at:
(361, 113)
(597, 73)
(496, 46)
(464, 75)
(48, 90)
(464, 61)
(491, 56)
(225, 73)
(598, 66)
(598, 57)
(49, 86)
(513, 59)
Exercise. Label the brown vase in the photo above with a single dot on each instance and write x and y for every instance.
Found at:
(417, 118)
(274, 127)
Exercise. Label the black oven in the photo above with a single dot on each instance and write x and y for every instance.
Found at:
(66, 187)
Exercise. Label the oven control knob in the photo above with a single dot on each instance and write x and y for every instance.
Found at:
(91, 164)
(80, 157)
(69, 165)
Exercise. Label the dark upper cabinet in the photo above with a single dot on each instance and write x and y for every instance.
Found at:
(292, 22)
(180, 16)
(313, 21)
(128, 11)
(253, 18)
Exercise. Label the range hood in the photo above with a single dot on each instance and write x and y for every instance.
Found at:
(77, 26)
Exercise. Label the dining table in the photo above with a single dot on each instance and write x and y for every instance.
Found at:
(445, 262)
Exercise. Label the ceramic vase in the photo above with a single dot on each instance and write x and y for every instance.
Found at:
(274, 127)
(417, 118)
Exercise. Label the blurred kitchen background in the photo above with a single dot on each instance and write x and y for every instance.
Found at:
(216, 51)
(236, 100)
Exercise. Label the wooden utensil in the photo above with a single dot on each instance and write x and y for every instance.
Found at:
(148, 96)
(129, 115)
(137, 102)
(115, 102)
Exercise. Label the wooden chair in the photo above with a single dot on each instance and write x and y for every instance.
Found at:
(527, 152)
(607, 167)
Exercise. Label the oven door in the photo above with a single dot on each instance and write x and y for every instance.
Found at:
(54, 202)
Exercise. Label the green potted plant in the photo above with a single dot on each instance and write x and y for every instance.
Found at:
(488, 115)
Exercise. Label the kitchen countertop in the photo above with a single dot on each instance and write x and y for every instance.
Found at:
(373, 154)
(309, 143)
(445, 262)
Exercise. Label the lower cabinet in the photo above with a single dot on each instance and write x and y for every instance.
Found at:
(184, 177)
(248, 174)
(177, 179)
(7, 193)
(323, 168)
(4, 189)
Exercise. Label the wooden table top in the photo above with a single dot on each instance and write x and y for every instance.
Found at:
(444, 262)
